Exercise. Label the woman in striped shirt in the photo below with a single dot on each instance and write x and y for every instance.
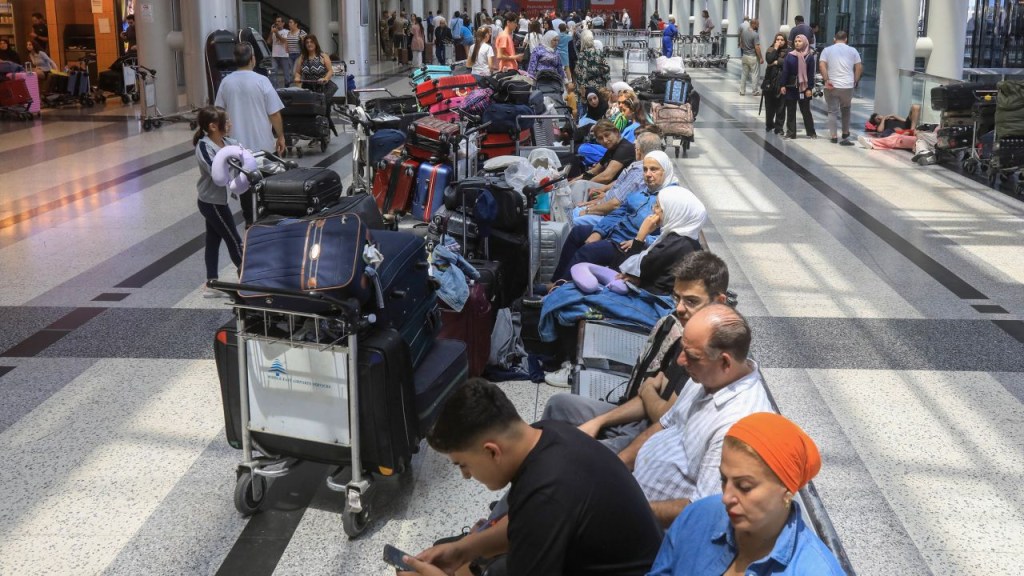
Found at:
(294, 37)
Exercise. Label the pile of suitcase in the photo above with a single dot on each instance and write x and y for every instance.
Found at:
(674, 105)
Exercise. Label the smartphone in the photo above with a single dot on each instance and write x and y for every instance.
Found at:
(394, 556)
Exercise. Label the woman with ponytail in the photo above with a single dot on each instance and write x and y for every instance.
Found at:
(213, 200)
(481, 56)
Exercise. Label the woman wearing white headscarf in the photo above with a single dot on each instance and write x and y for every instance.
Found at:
(545, 56)
(604, 243)
(679, 215)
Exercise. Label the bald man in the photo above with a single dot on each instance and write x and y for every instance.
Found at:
(676, 459)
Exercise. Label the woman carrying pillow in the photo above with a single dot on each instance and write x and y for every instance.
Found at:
(755, 526)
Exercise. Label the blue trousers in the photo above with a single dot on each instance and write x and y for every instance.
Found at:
(576, 250)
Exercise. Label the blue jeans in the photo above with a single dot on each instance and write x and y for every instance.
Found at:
(576, 250)
(283, 71)
(585, 219)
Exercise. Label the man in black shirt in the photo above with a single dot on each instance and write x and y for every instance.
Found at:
(701, 278)
(39, 35)
(574, 509)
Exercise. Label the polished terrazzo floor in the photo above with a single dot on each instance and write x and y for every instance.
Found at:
(886, 301)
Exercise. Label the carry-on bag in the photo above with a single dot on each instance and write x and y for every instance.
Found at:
(429, 72)
(677, 90)
(506, 118)
(494, 145)
(674, 119)
(434, 91)
(297, 192)
(549, 247)
(387, 407)
(32, 83)
(78, 83)
(959, 96)
(445, 369)
(407, 290)
(394, 184)
(512, 88)
(362, 205)
(511, 209)
(431, 182)
(323, 255)
(14, 93)
(660, 80)
(477, 100)
(394, 105)
(472, 325)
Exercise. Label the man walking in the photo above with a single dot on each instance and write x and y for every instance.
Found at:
(840, 68)
(254, 108)
(800, 28)
(750, 48)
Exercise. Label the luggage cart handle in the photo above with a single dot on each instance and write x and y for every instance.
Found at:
(542, 117)
(531, 191)
(369, 90)
(348, 307)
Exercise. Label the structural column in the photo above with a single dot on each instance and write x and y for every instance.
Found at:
(769, 15)
(734, 13)
(153, 25)
(682, 12)
(897, 37)
(714, 10)
(320, 24)
(947, 28)
(474, 9)
(798, 7)
(416, 6)
(198, 19)
(354, 35)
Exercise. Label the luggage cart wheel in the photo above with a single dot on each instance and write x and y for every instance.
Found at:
(298, 151)
(157, 123)
(245, 503)
(323, 145)
(970, 165)
(125, 98)
(147, 125)
(354, 523)
(135, 97)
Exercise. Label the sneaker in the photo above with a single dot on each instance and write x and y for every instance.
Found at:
(211, 293)
(865, 142)
(742, 93)
(812, 136)
(559, 378)
(757, 92)
(834, 140)
(846, 142)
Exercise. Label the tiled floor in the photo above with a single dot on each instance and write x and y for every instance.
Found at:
(885, 298)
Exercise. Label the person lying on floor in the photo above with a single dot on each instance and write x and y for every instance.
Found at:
(701, 278)
(608, 197)
(885, 125)
(676, 212)
(572, 508)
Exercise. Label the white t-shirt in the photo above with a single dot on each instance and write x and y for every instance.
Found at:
(480, 66)
(841, 58)
(280, 47)
(249, 99)
(524, 25)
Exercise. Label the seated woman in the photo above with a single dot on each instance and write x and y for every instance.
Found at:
(545, 57)
(629, 232)
(619, 153)
(886, 125)
(754, 527)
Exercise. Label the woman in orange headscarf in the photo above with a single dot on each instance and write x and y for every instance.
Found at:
(755, 527)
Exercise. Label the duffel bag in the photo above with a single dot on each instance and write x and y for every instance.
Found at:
(504, 118)
(512, 89)
(477, 101)
(510, 206)
(674, 120)
(323, 255)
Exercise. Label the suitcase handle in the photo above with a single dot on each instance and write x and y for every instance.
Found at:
(368, 90)
(349, 307)
(531, 191)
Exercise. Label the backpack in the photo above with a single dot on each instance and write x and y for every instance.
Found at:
(467, 36)
(507, 351)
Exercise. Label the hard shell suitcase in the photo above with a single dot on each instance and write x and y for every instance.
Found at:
(427, 151)
(436, 130)
(407, 290)
(445, 369)
(323, 254)
(429, 72)
(445, 109)
(434, 91)
(298, 192)
(396, 105)
(549, 247)
(387, 410)
(32, 83)
(431, 181)
(494, 145)
(78, 83)
(959, 96)
(394, 184)
(472, 325)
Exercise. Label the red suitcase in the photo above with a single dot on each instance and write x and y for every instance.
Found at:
(445, 109)
(472, 325)
(430, 128)
(433, 91)
(14, 93)
(394, 184)
(494, 145)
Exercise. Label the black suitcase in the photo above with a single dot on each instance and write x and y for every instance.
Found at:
(396, 106)
(408, 291)
(493, 278)
(298, 192)
(299, 102)
(954, 137)
(529, 314)
(959, 96)
(513, 251)
(445, 369)
(511, 205)
(362, 204)
(387, 410)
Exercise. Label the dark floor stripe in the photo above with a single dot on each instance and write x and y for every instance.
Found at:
(62, 146)
(334, 157)
(111, 297)
(1014, 328)
(989, 308)
(266, 535)
(5, 370)
(43, 339)
(91, 191)
(177, 256)
(929, 265)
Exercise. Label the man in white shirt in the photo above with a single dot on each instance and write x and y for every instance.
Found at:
(676, 459)
(278, 41)
(840, 68)
(254, 108)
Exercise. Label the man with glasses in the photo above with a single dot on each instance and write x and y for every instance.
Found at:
(701, 279)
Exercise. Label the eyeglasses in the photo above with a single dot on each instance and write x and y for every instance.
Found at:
(691, 303)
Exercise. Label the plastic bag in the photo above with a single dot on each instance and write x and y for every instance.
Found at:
(665, 64)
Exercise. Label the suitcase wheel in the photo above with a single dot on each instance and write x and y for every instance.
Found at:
(125, 98)
(354, 523)
(245, 502)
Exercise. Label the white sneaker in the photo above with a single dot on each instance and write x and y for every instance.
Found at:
(211, 293)
(865, 142)
(559, 378)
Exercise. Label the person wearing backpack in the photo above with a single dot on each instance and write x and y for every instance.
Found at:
(456, 26)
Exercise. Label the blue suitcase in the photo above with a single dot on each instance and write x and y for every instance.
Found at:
(410, 300)
(322, 255)
(445, 369)
(431, 181)
(430, 72)
(676, 91)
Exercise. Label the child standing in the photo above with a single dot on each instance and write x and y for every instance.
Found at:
(213, 200)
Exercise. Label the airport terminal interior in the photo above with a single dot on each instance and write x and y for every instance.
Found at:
(885, 300)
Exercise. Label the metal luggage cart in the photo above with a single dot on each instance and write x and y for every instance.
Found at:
(635, 59)
(534, 222)
(298, 142)
(126, 89)
(151, 116)
(297, 394)
(977, 157)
